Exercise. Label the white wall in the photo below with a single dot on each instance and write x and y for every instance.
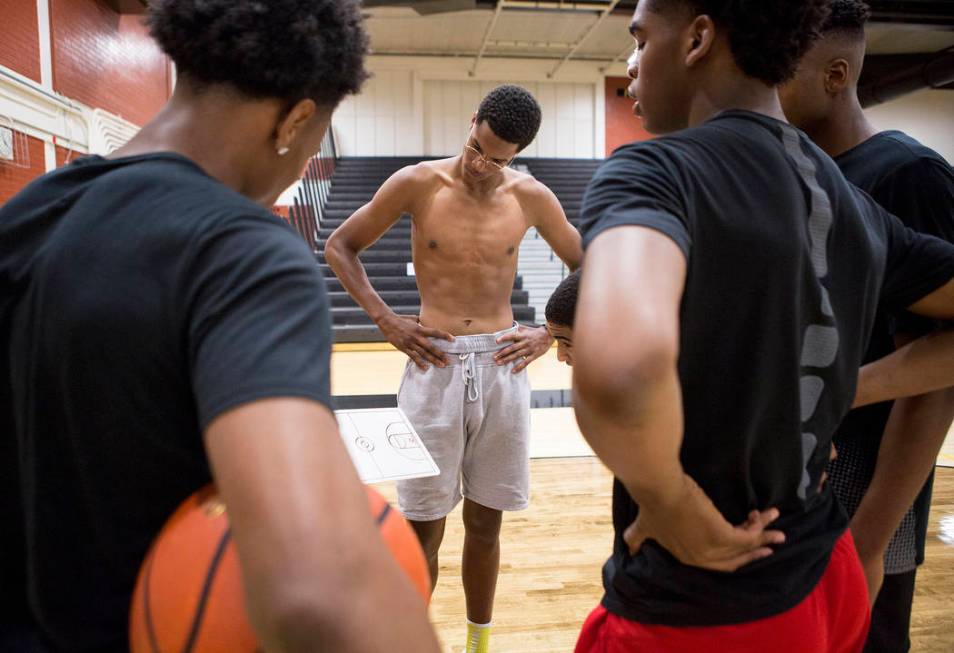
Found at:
(927, 116)
(423, 105)
(382, 121)
(566, 129)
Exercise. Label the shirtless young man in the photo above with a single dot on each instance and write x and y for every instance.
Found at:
(464, 392)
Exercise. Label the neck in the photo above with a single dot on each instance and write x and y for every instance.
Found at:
(191, 124)
(845, 127)
(747, 96)
(481, 186)
(722, 86)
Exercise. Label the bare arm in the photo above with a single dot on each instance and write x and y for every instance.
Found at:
(548, 217)
(938, 305)
(313, 564)
(923, 365)
(912, 438)
(914, 434)
(628, 399)
(360, 231)
(552, 224)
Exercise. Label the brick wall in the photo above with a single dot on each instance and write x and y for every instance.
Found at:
(621, 125)
(20, 38)
(64, 156)
(13, 179)
(107, 60)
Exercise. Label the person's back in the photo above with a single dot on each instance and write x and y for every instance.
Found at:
(111, 318)
(771, 303)
(162, 329)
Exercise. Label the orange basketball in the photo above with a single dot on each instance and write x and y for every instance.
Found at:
(189, 595)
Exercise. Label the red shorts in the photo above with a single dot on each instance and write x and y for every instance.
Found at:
(834, 618)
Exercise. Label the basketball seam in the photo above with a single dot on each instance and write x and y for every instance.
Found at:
(206, 590)
(384, 513)
(150, 628)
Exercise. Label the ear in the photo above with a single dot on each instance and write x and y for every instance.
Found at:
(837, 76)
(291, 125)
(473, 119)
(700, 35)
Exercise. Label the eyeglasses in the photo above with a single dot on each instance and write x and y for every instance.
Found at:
(484, 160)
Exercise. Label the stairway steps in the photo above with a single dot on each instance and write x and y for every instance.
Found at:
(368, 256)
(405, 298)
(402, 233)
(393, 283)
(348, 315)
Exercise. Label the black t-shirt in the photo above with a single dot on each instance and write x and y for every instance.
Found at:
(915, 184)
(140, 299)
(786, 262)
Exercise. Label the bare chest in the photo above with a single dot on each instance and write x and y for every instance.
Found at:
(461, 232)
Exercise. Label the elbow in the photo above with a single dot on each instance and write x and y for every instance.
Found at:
(335, 251)
(327, 608)
(608, 380)
(295, 613)
(293, 620)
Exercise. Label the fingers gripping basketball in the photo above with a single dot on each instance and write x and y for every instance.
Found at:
(189, 596)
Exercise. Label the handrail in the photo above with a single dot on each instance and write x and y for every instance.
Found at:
(308, 208)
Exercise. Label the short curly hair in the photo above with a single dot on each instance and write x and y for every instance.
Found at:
(847, 17)
(562, 303)
(767, 37)
(512, 113)
(287, 49)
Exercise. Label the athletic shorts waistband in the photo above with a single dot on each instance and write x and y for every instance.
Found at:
(475, 344)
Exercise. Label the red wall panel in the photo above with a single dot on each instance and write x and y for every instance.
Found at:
(107, 60)
(14, 178)
(20, 40)
(621, 125)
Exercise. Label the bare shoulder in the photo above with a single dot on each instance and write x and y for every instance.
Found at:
(420, 175)
(404, 190)
(536, 198)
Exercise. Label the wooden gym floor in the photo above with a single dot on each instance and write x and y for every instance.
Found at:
(551, 554)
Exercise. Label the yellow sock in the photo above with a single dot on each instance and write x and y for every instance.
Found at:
(478, 638)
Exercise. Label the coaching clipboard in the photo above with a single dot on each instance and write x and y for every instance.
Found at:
(383, 445)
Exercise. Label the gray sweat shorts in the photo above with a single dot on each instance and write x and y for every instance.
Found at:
(474, 418)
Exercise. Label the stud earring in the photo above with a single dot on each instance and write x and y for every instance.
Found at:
(282, 151)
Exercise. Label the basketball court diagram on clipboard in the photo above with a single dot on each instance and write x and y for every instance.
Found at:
(383, 445)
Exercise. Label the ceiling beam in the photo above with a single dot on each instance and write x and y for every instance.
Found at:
(486, 39)
(629, 48)
(922, 12)
(599, 21)
(888, 76)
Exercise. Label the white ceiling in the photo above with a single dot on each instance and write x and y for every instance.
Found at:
(552, 34)
(400, 30)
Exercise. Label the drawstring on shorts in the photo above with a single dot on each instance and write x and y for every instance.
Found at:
(470, 374)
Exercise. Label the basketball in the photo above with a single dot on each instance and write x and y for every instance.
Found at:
(189, 595)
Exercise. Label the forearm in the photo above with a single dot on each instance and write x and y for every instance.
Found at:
(924, 365)
(912, 438)
(313, 564)
(347, 267)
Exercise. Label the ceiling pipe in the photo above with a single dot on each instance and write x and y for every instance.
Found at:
(486, 39)
(599, 21)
